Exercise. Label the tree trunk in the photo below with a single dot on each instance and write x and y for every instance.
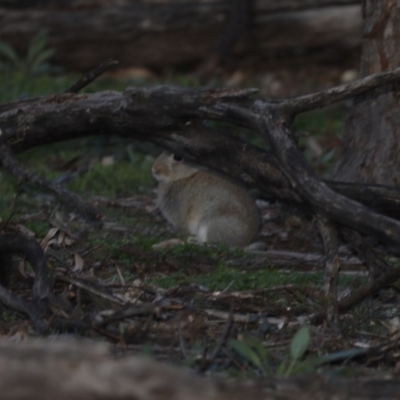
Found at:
(372, 131)
(164, 35)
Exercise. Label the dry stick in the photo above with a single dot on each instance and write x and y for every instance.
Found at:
(119, 315)
(182, 345)
(71, 200)
(332, 265)
(364, 292)
(221, 343)
(90, 288)
(11, 213)
(42, 291)
(384, 199)
(330, 96)
(91, 76)
(374, 262)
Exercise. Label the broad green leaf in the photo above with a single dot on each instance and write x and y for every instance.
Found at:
(339, 356)
(246, 352)
(258, 347)
(299, 343)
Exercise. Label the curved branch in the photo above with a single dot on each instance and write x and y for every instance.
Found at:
(272, 124)
(342, 92)
(71, 200)
(42, 291)
(161, 114)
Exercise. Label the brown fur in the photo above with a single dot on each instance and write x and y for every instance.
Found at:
(205, 205)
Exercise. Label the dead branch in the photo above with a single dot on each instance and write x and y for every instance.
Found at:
(82, 370)
(93, 289)
(169, 117)
(91, 76)
(137, 112)
(42, 294)
(71, 200)
(106, 317)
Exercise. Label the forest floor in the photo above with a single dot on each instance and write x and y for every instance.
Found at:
(216, 309)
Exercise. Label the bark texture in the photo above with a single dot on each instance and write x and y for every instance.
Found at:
(83, 370)
(163, 34)
(372, 131)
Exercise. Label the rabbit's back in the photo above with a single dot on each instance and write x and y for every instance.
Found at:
(210, 207)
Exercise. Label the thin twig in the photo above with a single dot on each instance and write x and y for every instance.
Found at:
(91, 289)
(104, 317)
(69, 199)
(11, 213)
(91, 76)
(241, 318)
(221, 343)
(332, 264)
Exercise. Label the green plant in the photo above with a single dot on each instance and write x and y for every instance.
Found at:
(33, 61)
(254, 352)
(298, 348)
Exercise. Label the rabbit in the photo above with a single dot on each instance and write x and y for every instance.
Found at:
(200, 203)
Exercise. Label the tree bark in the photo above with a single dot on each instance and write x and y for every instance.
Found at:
(163, 35)
(372, 131)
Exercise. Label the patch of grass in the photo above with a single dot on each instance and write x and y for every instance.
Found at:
(210, 250)
(9, 316)
(8, 188)
(15, 86)
(120, 179)
(321, 122)
(223, 276)
(144, 242)
(39, 227)
(318, 132)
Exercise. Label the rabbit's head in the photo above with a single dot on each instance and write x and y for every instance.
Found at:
(168, 168)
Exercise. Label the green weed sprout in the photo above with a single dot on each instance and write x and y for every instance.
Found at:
(35, 58)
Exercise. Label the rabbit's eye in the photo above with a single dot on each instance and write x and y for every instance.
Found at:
(177, 158)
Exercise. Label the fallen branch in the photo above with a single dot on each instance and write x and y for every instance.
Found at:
(71, 200)
(42, 294)
(169, 117)
(83, 370)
